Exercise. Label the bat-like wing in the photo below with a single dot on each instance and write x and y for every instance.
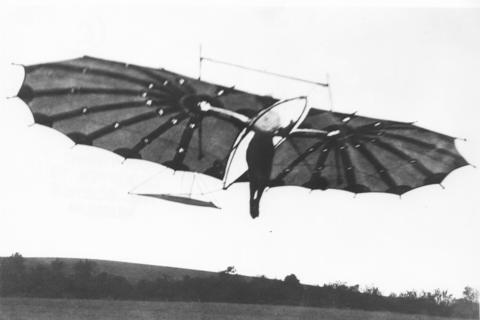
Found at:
(361, 154)
(138, 112)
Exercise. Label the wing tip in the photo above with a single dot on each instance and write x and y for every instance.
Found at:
(42, 119)
(80, 138)
(26, 93)
(18, 64)
(127, 153)
(399, 190)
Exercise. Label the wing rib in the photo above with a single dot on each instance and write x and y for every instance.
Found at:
(379, 167)
(158, 132)
(93, 71)
(402, 155)
(348, 166)
(299, 159)
(185, 141)
(123, 123)
(95, 109)
(65, 91)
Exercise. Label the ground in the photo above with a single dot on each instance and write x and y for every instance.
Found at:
(71, 309)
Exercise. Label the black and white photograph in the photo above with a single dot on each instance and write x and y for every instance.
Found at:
(239, 160)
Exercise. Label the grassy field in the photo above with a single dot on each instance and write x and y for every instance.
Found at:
(56, 309)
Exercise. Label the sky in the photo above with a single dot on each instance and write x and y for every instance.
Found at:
(386, 61)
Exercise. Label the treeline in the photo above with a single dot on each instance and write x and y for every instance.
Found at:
(85, 282)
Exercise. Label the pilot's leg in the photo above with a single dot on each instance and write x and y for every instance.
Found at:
(259, 159)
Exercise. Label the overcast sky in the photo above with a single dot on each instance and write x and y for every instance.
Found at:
(405, 64)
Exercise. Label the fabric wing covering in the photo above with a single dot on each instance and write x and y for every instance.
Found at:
(137, 112)
(361, 154)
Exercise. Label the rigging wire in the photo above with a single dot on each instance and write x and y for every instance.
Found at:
(131, 191)
(326, 84)
(182, 183)
(192, 184)
(210, 194)
(322, 84)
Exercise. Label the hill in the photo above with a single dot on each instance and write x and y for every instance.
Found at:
(100, 279)
(133, 272)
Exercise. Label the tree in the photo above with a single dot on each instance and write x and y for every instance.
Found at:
(373, 291)
(38, 281)
(292, 290)
(13, 275)
(470, 294)
(291, 280)
(83, 279)
(230, 270)
(83, 269)
(59, 282)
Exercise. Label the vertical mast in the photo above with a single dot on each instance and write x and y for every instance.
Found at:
(200, 60)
